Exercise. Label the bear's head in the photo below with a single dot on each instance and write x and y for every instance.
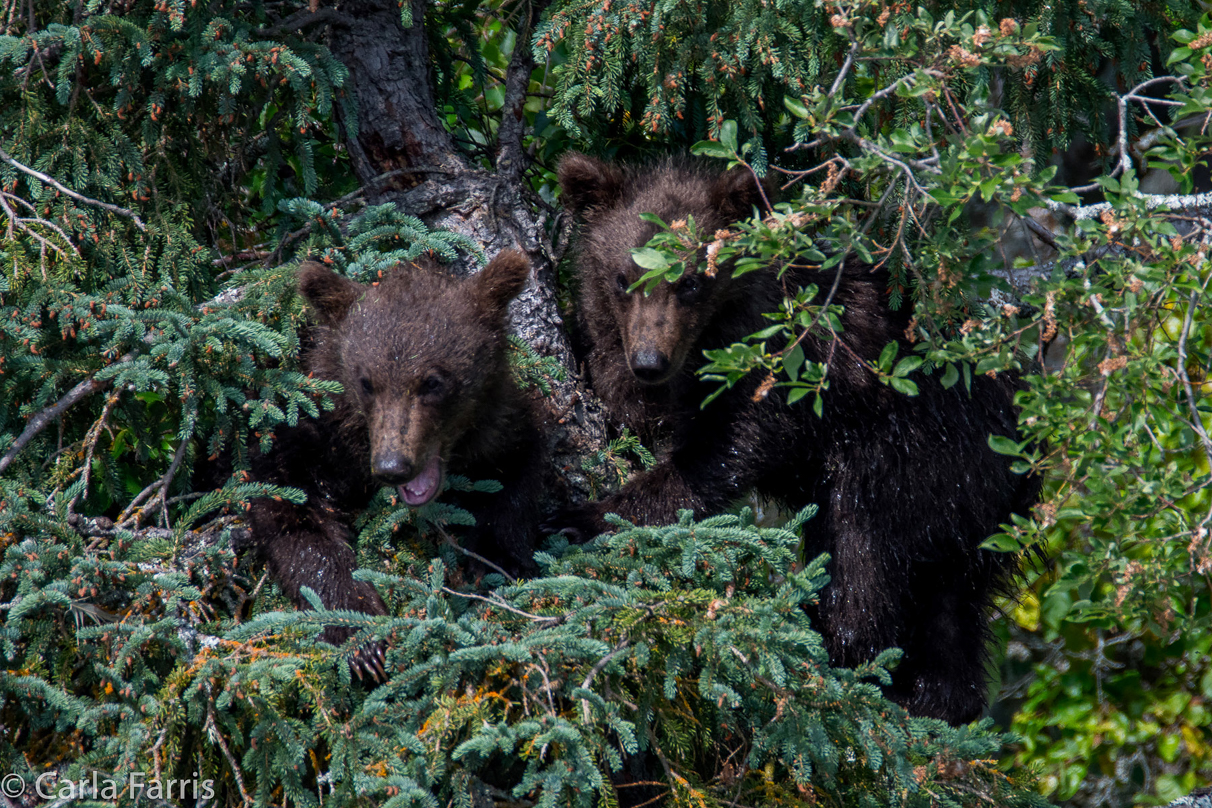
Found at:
(421, 356)
(658, 328)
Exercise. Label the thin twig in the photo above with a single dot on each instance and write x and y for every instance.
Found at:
(652, 739)
(94, 435)
(547, 689)
(1044, 234)
(129, 512)
(155, 750)
(879, 96)
(512, 159)
(248, 597)
(503, 605)
(302, 19)
(1125, 157)
(213, 729)
(167, 480)
(1183, 202)
(596, 669)
(450, 540)
(1196, 420)
(855, 45)
(24, 224)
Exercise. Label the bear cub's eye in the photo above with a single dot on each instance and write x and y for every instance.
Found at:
(622, 282)
(432, 386)
(367, 387)
(690, 287)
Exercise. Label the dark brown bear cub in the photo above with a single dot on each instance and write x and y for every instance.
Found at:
(427, 391)
(907, 487)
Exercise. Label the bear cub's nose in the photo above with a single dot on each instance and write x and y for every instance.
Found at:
(649, 365)
(392, 469)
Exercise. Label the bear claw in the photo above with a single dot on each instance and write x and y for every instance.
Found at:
(368, 662)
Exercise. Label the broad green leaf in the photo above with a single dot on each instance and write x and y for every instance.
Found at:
(907, 365)
(1003, 445)
(796, 107)
(884, 363)
(649, 258)
(793, 362)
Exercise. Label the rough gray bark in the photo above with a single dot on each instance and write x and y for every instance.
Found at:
(1199, 798)
(511, 159)
(389, 76)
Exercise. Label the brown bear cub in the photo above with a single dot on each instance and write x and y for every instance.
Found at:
(907, 487)
(427, 391)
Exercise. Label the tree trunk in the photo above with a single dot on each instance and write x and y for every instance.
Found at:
(389, 75)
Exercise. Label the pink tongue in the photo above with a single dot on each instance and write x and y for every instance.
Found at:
(424, 486)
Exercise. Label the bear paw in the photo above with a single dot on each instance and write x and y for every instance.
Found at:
(366, 662)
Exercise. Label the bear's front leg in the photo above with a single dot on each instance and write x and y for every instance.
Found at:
(304, 546)
(724, 452)
(943, 674)
(655, 498)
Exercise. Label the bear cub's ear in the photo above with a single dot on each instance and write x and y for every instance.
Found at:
(586, 182)
(502, 280)
(735, 193)
(329, 294)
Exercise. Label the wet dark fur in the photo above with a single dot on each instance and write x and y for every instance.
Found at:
(382, 343)
(907, 486)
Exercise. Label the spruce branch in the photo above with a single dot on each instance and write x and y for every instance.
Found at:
(52, 413)
(293, 236)
(63, 189)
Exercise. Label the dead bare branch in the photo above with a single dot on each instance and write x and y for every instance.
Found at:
(63, 189)
(52, 413)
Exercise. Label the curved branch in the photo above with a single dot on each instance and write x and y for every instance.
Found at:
(63, 189)
(302, 19)
(52, 413)
(511, 156)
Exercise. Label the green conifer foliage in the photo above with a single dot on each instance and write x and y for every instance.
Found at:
(684, 649)
(188, 117)
(666, 69)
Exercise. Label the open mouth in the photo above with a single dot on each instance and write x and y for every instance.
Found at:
(651, 379)
(424, 486)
